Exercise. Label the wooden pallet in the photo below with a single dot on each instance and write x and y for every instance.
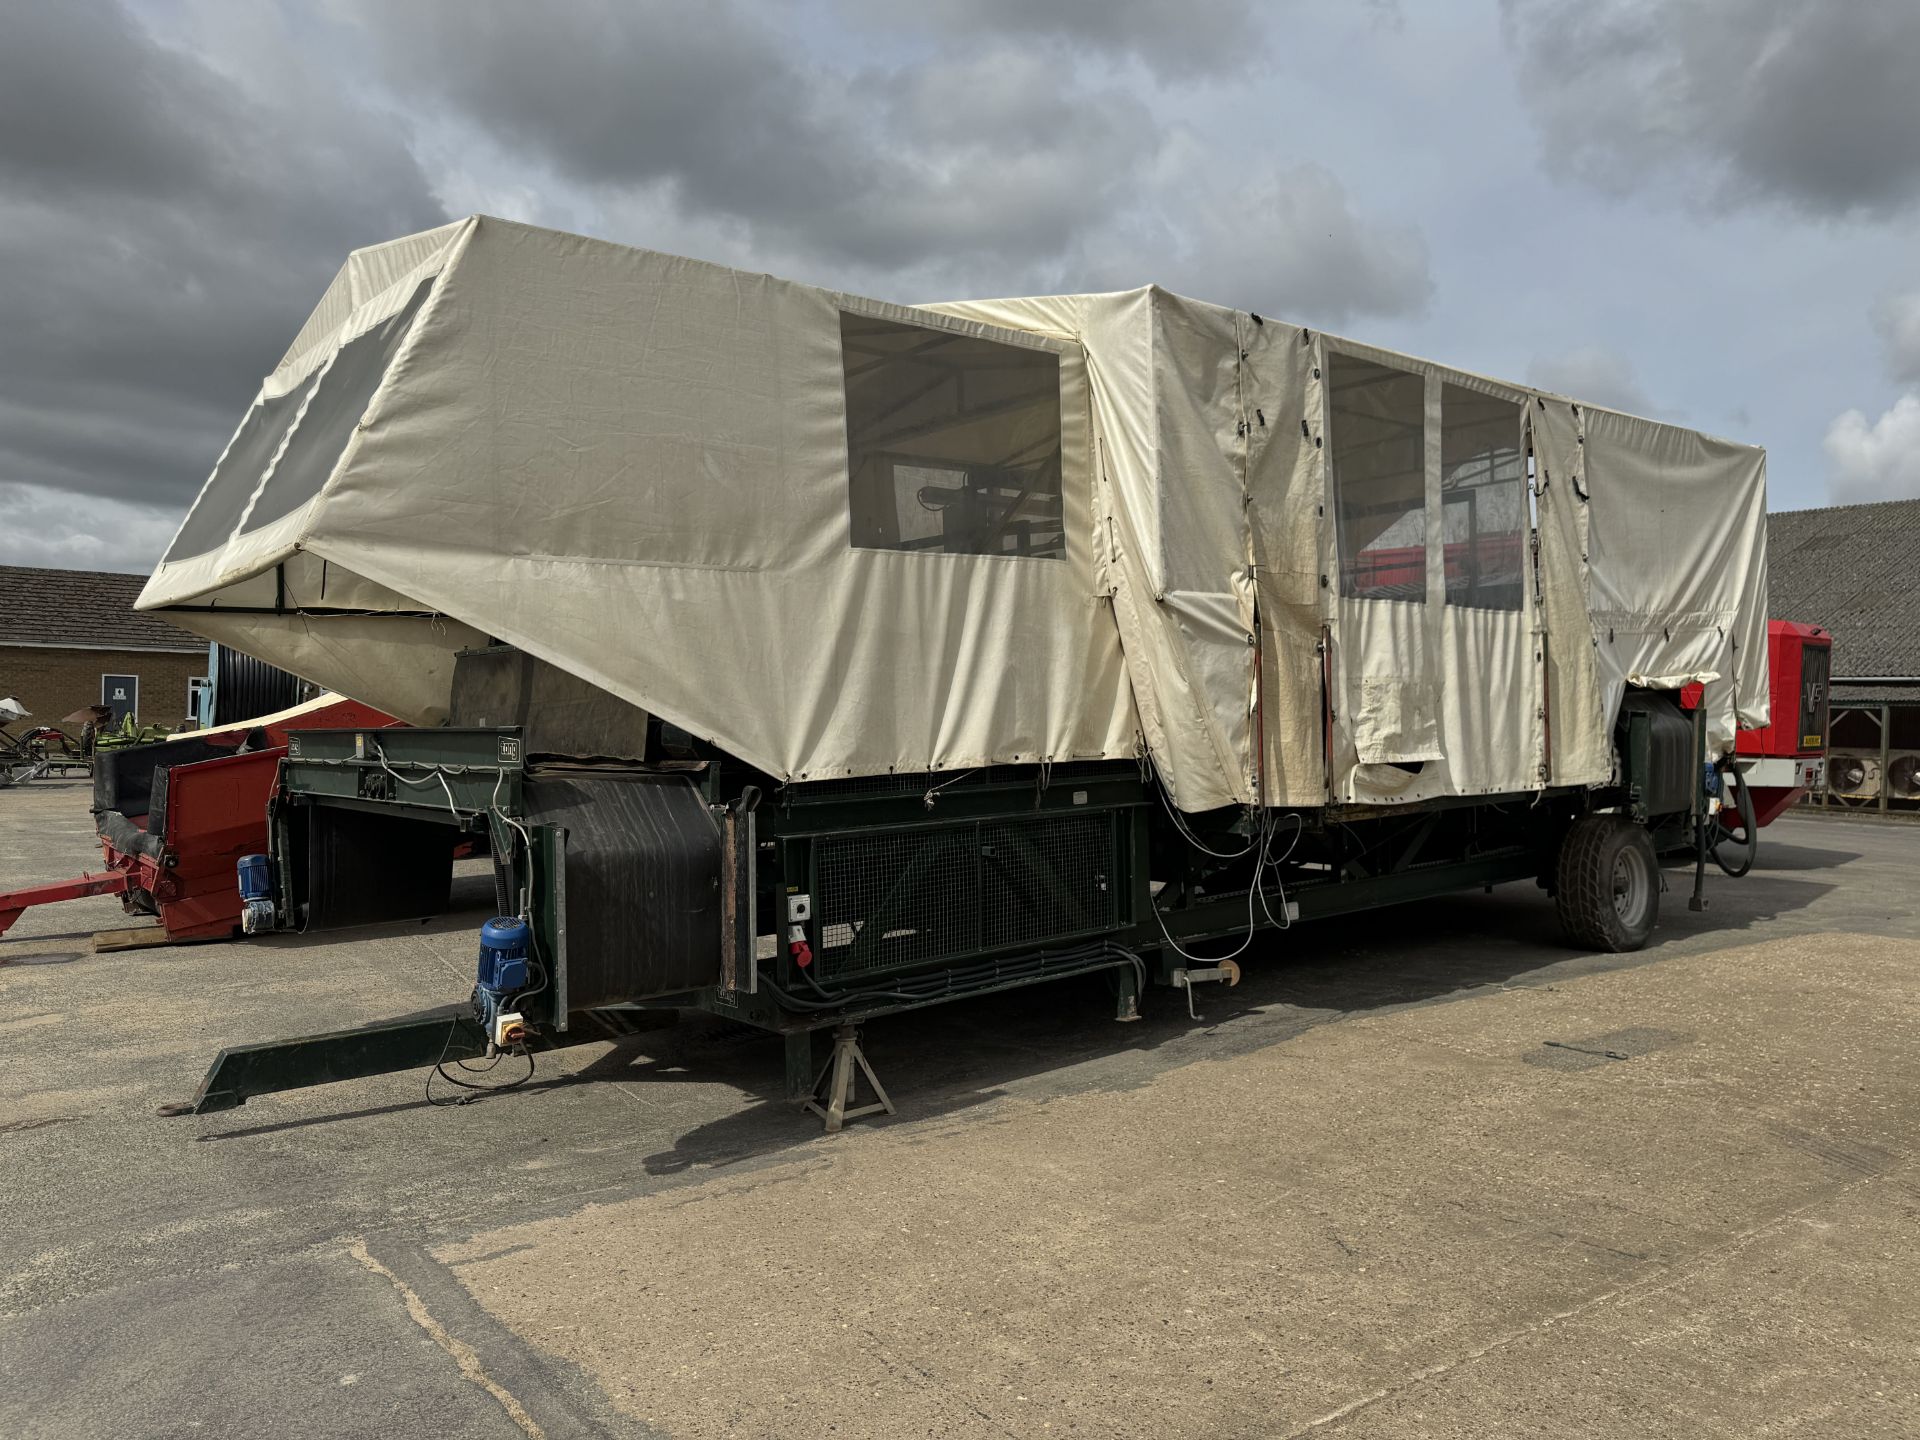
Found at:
(139, 937)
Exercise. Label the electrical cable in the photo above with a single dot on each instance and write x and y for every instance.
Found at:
(933, 791)
(434, 772)
(1751, 845)
(440, 1069)
(1181, 825)
(1262, 840)
(1185, 954)
(494, 812)
(1285, 922)
(520, 997)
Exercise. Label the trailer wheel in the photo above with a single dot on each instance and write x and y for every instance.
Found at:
(1607, 889)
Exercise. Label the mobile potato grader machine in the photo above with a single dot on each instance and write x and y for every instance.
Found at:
(804, 658)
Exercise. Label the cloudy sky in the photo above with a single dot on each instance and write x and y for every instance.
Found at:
(1700, 210)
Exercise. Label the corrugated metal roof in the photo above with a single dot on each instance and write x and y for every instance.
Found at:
(1876, 694)
(1852, 569)
(84, 609)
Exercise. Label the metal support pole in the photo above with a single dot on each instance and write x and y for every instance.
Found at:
(1886, 742)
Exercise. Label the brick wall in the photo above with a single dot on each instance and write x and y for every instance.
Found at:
(53, 683)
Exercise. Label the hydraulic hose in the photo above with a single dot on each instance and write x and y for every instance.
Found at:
(1749, 849)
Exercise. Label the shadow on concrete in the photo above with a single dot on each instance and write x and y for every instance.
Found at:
(950, 1058)
(277, 1126)
(1781, 857)
(1060, 1038)
(442, 1100)
(470, 902)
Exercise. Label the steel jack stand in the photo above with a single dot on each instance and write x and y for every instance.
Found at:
(835, 1086)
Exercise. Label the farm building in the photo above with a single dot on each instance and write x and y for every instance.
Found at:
(71, 638)
(1849, 568)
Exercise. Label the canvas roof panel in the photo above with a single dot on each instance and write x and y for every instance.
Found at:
(839, 537)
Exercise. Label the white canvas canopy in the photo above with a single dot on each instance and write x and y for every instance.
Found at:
(839, 537)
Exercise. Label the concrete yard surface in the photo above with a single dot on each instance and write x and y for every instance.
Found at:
(1424, 1173)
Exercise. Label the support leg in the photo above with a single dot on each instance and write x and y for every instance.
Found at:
(799, 1047)
(1126, 987)
(834, 1088)
(1698, 900)
(841, 1066)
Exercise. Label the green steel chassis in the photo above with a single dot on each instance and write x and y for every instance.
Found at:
(1163, 892)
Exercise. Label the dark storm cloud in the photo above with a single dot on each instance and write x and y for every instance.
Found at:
(88, 104)
(173, 202)
(163, 232)
(992, 154)
(1187, 41)
(999, 164)
(697, 94)
(1810, 102)
(1192, 42)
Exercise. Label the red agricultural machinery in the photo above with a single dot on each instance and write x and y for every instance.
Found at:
(1774, 767)
(174, 817)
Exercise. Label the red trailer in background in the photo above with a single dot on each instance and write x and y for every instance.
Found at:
(174, 818)
(1782, 762)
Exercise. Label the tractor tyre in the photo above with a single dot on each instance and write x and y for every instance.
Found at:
(1607, 886)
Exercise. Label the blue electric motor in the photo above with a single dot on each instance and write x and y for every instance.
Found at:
(504, 942)
(256, 894)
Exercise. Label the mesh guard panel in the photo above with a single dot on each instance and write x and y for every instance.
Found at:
(941, 893)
